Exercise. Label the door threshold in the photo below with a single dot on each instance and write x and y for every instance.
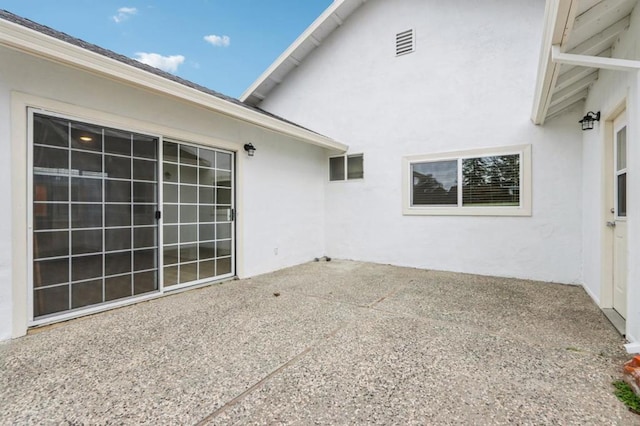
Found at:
(616, 320)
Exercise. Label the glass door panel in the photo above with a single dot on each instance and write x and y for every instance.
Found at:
(94, 202)
(197, 210)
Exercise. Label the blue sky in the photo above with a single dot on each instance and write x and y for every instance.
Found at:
(221, 44)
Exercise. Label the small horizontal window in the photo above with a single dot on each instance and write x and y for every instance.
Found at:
(492, 182)
(350, 166)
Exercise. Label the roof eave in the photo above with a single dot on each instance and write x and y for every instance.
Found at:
(329, 13)
(27, 40)
(558, 20)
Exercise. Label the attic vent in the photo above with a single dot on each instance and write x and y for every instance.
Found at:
(404, 42)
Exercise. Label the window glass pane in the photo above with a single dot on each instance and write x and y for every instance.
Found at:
(144, 237)
(86, 215)
(170, 254)
(188, 253)
(86, 190)
(50, 216)
(170, 193)
(207, 232)
(491, 181)
(188, 174)
(188, 194)
(207, 251)
(86, 241)
(144, 146)
(86, 293)
(117, 214)
(223, 161)
(170, 235)
(144, 192)
(207, 214)
(144, 170)
(207, 269)
(170, 276)
(170, 152)
(223, 248)
(188, 272)
(117, 263)
(50, 244)
(117, 239)
(622, 195)
(144, 259)
(223, 266)
(170, 172)
(116, 142)
(188, 155)
(336, 168)
(188, 214)
(86, 137)
(207, 158)
(207, 176)
(170, 214)
(621, 149)
(117, 191)
(223, 231)
(48, 272)
(355, 168)
(223, 196)
(435, 183)
(206, 195)
(223, 178)
(144, 282)
(144, 215)
(86, 267)
(188, 233)
(50, 161)
(50, 300)
(50, 131)
(50, 188)
(117, 167)
(117, 287)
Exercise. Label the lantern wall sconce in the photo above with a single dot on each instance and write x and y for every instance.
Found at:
(588, 120)
(250, 149)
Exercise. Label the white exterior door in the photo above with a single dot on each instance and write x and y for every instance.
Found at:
(620, 216)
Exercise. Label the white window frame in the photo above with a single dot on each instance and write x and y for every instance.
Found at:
(524, 209)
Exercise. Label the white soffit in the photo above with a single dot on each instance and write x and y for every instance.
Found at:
(311, 38)
(105, 63)
(588, 28)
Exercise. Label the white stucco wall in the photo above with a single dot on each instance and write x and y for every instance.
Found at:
(280, 191)
(468, 85)
(613, 91)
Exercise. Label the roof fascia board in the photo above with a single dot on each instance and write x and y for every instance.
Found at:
(287, 54)
(41, 45)
(558, 19)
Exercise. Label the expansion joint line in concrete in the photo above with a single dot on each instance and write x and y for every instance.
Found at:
(262, 381)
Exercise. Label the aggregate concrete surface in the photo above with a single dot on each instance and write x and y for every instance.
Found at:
(343, 343)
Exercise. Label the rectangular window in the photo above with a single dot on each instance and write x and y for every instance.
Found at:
(494, 182)
(350, 166)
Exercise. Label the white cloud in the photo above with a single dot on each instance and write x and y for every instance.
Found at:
(216, 40)
(124, 13)
(165, 63)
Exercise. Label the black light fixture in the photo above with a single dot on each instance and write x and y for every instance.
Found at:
(250, 149)
(588, 120)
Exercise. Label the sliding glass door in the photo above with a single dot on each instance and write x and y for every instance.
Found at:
(95, 233)
(95, 216)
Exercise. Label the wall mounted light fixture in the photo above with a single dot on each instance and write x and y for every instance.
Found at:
(250, 149)
(588, 120)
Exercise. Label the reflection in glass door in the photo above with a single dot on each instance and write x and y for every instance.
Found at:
(197, 214)
(95, 233)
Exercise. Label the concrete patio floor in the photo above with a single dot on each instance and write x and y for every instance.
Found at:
(344, 343)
